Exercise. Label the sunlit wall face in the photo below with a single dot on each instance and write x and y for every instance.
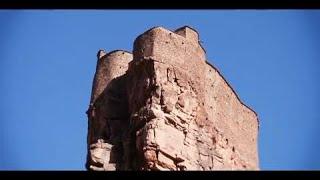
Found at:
(48, 58)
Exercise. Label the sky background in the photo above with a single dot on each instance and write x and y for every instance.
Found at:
(48, 58)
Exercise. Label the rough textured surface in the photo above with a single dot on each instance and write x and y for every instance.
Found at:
(166, 108)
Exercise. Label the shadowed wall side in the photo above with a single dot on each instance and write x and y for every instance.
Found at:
(107, 112)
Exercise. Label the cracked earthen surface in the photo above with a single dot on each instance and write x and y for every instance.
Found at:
(164, 107)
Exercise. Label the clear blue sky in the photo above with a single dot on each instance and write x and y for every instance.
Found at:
(48, 59)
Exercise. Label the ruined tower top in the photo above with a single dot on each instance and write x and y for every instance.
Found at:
(164, 107)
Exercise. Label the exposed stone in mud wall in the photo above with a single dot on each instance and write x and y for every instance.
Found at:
(167, 108)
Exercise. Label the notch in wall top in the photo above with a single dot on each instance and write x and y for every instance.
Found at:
(189, 33)
(101, 53)
(184, 31)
